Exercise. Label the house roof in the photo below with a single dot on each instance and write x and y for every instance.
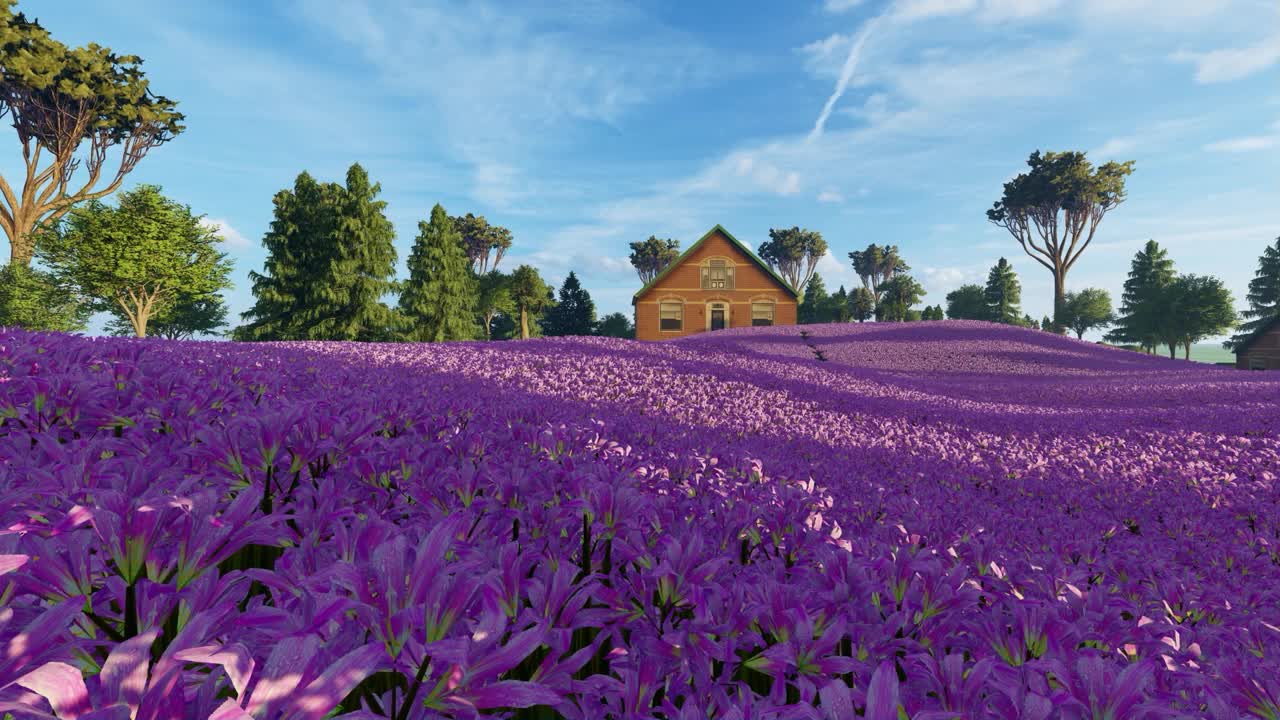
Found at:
(1243, 345)
(736, 243)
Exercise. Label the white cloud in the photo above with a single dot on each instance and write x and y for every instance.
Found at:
(839, 6)
(1244, 144)
(830, 195)
(997, 10)
(1153, 137)
(911, 10)
(1233, 63)
(229, 235)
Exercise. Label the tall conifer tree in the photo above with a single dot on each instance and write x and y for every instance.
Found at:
(440, 297)
(1142, 302)
(1263, 296)
(1003, 294)
(574, 314)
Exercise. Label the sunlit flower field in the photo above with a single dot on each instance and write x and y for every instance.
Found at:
(923, 520)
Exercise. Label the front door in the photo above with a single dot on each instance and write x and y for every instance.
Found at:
(717, 319)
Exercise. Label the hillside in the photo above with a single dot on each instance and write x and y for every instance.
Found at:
(953, 517)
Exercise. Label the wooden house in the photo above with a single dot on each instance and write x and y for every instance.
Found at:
(717, 283)
(1261, 350)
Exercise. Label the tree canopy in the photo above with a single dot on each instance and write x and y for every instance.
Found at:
(817, 304)
(794, 253)
(530, 295)
(1150, 272)
(898, 294)
(493, 298)
(615, 325)
(1003, 294)
(875, 265)
(61, 100)
(574, 314)
(862, 305)
(480, 239)
(650, 257)
(1194, 307)
(1263, 296)
(439, 299)
(137, 259)
(967, 302)
(1060, 202)
(1085, 310)
(38, 300)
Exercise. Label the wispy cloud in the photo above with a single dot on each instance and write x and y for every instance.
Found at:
(1248, 143)
(229, 235)
(830, 195)
(846, 74)
(839, 6)
(1229, 64)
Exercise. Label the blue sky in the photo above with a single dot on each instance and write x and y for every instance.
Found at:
(586, 125)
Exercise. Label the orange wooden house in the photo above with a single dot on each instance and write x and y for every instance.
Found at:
(717, 283)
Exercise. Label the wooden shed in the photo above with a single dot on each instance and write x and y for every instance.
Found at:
(717, 283)
(1261, 350)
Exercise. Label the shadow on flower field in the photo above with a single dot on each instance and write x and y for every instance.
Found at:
(939, 520)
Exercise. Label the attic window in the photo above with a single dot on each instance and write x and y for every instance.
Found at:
(670, 316)
(717, 275)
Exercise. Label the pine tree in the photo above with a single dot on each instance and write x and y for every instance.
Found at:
(330, 259)
(838, 309)
(1140, 306)
(816, 307)
(862, 304)
(439, 299)
(1263, 296)
(1003, 294)
(574, 314)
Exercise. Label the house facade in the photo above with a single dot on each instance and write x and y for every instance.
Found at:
(717, 283)
(1261, 350)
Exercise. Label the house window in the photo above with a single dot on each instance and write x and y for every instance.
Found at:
(1257, 363)
(717, 275)
(670, 315)
(762, 313)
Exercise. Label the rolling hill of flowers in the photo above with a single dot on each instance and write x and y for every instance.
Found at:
(925, 520)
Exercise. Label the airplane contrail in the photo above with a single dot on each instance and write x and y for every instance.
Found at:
(846, 74)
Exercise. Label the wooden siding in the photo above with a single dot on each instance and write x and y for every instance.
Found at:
(683, 283)
(1264, 349)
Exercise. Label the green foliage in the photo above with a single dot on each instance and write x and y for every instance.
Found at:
(1003, 294)
(650, 257)
(1263, 296)
(967, 302)
(898, 294)
(932, 312)
(330, 260)
(793, 253)
(480, 239)
(615, 325)
(136, 260)
(1060, 201)
(1046, 324)
(817, 305)
(838, 307)
(574, 314)
(876, 265)
(36, 300)
(861, 305)
(1142, 302)
(493, 299)
(56, 98)
(531, 296)
(1194, 307)
(439, 299)
(1087, 309)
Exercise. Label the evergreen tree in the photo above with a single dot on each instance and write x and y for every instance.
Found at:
(898, 294)
(933, 312)
(1003, 294)
(1141, 304)
(967, 302)
(1046, 323)
(439, 299)
(34, 299)
(530, 295)
(838, 307)
(574, 314)
(615, 325)
(1263, 296)
(816, 306)
(330, 259)
(862, 304)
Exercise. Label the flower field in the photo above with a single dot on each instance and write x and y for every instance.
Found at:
(924, 520)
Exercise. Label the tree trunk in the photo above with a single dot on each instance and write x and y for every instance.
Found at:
(1079, 334)
(1059, 296)
(524, 323)
(1186, 351)
(1173, 351)
(488, 326)
(22, 244)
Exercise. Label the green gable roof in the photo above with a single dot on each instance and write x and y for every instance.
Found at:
(736, 243)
